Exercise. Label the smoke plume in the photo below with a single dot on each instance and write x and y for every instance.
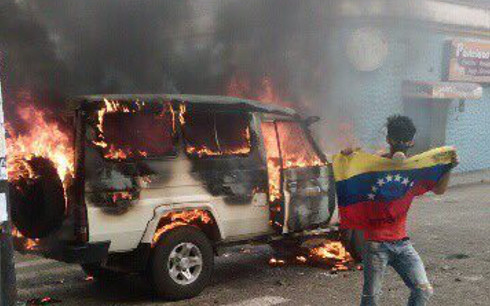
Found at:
(53, 49)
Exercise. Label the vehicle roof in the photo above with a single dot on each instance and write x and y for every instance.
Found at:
(232, 102)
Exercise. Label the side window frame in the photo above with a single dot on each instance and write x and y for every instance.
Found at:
(91, 113)
(221, 155)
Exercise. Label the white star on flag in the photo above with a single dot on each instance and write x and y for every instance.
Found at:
(381, 182)
(405, 181)
(371, 196)
(398, 178)
(374, 188)
(389, 178)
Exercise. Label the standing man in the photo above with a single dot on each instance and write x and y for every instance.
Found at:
(386, 206)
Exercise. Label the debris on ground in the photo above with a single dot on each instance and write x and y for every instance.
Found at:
(89, 278)
(458, 256)
(42, 301)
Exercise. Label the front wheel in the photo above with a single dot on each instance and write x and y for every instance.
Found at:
(182, 263)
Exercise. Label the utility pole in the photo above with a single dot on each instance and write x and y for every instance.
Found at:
(8, 290)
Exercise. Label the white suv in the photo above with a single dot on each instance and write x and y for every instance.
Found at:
(163, 182)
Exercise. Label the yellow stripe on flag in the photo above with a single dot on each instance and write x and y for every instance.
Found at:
(347, 166)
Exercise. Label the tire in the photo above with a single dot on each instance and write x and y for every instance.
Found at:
(99, 273)
(38, 204)
(353, 241)
(168, 255)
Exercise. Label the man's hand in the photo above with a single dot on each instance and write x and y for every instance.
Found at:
(443, 183)
(454, 160)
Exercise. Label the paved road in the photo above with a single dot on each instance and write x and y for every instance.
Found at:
(451, 233)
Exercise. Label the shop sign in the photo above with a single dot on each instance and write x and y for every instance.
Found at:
(442, 90)
(469, 61)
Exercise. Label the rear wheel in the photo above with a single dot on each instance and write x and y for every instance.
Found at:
(37, 195)
(182, 263)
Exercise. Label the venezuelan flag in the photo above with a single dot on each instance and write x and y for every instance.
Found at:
(373, 191)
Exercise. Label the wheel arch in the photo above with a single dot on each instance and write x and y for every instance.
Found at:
(161, 219)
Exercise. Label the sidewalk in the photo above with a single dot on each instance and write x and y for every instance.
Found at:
(470, 178)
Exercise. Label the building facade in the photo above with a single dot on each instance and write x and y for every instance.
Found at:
(394, 57)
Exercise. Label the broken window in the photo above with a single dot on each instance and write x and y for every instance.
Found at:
(216, 134)
(296, 149)
(137, 135)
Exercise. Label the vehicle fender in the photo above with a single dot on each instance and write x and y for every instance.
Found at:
(162, 210)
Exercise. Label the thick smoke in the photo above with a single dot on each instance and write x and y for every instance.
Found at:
(55, 49)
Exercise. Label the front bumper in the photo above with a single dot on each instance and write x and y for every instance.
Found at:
(66, 251)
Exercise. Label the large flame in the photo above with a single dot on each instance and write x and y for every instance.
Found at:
(176, 219)
(43, 138)
(273, 161)
(282, 142)
(111, 151)
(27, 243)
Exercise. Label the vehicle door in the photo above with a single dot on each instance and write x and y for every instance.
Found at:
(222, 145)
(301, 188)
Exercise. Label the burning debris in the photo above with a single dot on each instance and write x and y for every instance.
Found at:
(42, 301)
(332, 254)
(328, 254)
(89, 278)
(27, 243)
(172, 220)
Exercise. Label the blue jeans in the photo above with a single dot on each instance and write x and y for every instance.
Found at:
(407, 263)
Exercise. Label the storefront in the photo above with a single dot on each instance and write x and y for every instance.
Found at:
(431, 63)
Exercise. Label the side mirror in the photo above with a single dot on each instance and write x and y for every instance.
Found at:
(310, 120)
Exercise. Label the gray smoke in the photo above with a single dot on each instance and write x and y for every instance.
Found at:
(153, 46)
(54, 49)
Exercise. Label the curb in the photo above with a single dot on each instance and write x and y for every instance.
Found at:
(470, 178)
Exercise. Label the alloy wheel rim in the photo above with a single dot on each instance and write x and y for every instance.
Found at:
(185, 263)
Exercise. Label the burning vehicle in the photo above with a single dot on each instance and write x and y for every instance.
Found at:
(159, 184)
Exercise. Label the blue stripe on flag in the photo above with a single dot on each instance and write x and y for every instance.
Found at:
(391, 184)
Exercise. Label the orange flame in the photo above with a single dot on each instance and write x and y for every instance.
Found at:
(113, 107)
(182, 218)
(333, 251)
(331, 254)
(296, 151)
(276, 262)
(45, 139)
(205, 151)
(29, 244)
(273, 161)
(124, 195)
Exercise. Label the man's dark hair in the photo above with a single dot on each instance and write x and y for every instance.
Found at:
(400, 128)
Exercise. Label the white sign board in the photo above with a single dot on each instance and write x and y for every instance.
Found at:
(3, 208)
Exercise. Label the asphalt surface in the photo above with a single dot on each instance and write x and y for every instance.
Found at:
(450, 232)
